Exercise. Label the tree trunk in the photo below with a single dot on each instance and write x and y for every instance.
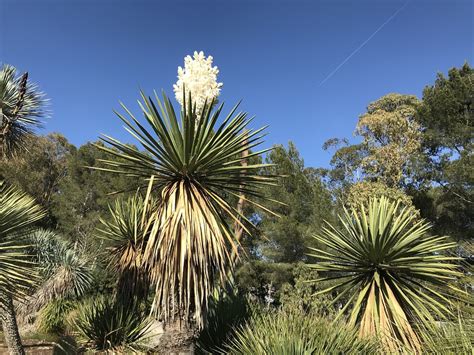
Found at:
(9, 325)
(238, 230)
(178, 339)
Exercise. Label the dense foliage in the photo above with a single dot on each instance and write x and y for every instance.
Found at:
(295, 332)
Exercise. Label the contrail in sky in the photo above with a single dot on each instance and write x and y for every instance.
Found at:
(364, 43)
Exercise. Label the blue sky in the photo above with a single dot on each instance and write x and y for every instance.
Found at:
(89, 55)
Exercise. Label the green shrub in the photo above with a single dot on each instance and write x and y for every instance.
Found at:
(52, 317)
(450, 338)
(103, 324)
(286, 332)
(227, 311)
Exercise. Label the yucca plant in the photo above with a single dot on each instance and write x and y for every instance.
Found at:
(389, 268)
(18, 213)
(105, 324)
(189, 163)
(292, 332)
(125, 233)
(21, 108)
(65, 272)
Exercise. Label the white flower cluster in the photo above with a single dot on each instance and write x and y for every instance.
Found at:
(198, 77)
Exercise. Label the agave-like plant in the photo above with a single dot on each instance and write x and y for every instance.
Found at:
(21, 108)
(190, 164)
(103, 324)
(18, 213)
(389, 269)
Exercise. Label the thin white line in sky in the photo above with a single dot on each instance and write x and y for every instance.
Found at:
(364, 43)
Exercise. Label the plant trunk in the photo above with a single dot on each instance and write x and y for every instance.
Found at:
(178, 338)
(9, 325)
(238, 230)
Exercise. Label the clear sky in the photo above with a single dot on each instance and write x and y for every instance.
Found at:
(283, 58)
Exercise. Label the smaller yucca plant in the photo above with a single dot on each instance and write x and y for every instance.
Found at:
(104, 324)
(125, 234)
(389, 269)
(65, 272)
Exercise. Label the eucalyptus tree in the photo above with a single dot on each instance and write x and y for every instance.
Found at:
(390, 270)
(382, 163)
(18, 213)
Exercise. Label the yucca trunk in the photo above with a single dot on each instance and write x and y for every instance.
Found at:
(9, 325)
(179, 338)
(238, 230)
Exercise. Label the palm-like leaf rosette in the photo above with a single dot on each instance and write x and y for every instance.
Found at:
(65, 271)
(125, 234)
(388, 268)
(21, 108)
(18, 213)
(192, 164)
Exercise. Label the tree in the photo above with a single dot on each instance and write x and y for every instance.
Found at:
(18, 213)
(124, 234)
(85, 195)
(447, 112)
(391, 136)
(383, 163)
(65, 272)
(189, 164)
(303, 204)
(46, 162)
(445, 171)
(390, 268)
